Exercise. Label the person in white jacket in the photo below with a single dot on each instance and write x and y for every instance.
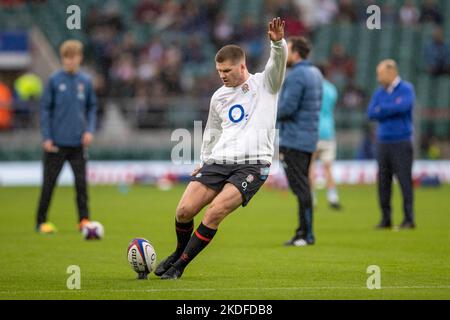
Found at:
(237, 149)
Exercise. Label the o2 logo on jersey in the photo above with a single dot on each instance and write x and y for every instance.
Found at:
(236, 113)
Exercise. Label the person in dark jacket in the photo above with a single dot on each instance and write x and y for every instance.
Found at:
(298, 123)
(392, 107)
(68, 119)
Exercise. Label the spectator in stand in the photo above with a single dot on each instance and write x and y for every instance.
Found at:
(194, 17)
(409, 14)
(12, 3)
(123, 75)
(353, 97)
(171, 79)
(128, 45)
(155, 50)
(388, 14)
(193, 52)
(437, 54)
(325, 12)
(340, 66)
(147, 69)
(347, 11)
(112, 17)
(92, 19)
(293, 19)
(222, 31)
(170, 15)
(5, 107)
(104, 26)
(430, 13)
(147, 11)
(249, 38)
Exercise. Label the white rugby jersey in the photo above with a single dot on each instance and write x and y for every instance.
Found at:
(241, 120)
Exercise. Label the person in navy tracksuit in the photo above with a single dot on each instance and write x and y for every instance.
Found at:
(392, 107)
(299, 107)
(68, 120)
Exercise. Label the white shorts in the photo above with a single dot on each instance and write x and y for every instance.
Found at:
(326, 150)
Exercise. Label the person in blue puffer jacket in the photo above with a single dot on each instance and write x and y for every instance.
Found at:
(298, 123)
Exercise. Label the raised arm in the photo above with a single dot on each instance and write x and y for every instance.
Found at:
(276, 66)
(211, 135)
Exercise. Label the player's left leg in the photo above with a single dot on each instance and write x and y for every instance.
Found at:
(77, 160)
(223, 204)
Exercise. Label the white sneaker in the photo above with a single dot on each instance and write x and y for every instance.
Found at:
(300, 243)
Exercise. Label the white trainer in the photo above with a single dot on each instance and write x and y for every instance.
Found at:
(300, 243)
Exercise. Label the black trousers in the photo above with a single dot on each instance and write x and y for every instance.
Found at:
(296, 165)
(395, 159)
(53, 163)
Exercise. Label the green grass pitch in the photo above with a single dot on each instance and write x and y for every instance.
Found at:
(246, 259)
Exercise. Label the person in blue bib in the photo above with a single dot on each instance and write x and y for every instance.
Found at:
(326, 147)
(68, 120)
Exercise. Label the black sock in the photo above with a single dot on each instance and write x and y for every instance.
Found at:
(199, 240)
(184, 231)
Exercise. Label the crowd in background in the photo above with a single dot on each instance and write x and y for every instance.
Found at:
(185, 65)
(175, 57)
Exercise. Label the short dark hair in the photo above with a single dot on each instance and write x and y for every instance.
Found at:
(301, 45)
(230, 52)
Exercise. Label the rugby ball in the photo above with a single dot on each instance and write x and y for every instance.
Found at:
(142, 257)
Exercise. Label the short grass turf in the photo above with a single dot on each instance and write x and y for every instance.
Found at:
(246, 259)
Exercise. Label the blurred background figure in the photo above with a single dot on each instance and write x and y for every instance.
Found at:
(392, 107)
(5, 107)
(326, 147)
(409, 14)
(298, 121)
(68, 121)
(437, 54)
(29, 89)
(430, 12)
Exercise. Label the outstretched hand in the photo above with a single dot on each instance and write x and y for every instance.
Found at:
(276, 29)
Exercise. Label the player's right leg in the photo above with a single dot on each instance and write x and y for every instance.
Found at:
(195, 198)
(52, 164)
(226, 202)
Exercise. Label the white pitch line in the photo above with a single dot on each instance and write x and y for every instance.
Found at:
(217, 289)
